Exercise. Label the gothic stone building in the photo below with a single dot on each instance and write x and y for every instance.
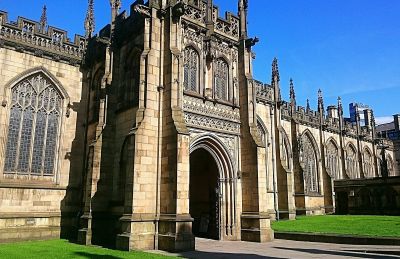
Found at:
(155, 131)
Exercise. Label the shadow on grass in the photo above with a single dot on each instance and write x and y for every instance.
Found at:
(96, 256)
(360, 254)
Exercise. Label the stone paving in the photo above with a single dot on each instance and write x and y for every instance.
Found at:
(279, 248)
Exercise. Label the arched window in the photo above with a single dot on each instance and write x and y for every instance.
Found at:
(351, 163)
(309, 162)
(390, 166)
(221, 79)
(191, 70)
(33, 127)
(94, 100)
(368, 164)
(128, 92)
(379, 161)
(261, 132)
(332, 160)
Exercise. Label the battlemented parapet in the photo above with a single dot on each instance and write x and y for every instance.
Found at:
(264, 92)
(196, 12)
(26, 35)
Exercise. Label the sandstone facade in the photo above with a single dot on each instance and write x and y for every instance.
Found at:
(162, 133)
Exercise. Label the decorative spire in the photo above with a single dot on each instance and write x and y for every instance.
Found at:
(292, 98)
(373, 122)
(89, 21)
(43, 20)
(243, 6)
(320, 102)
(292, 93)
(340, 106)
(210, 11)
(275, 70)
(308, 108)
(116, 5)
(275, 80)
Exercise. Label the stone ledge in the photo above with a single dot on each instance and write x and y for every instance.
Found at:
(36, 185)
(338, 239)
(10, 215)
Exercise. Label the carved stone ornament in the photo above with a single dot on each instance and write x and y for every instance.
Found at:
(210, 116)
(193, 36)
(142, 10)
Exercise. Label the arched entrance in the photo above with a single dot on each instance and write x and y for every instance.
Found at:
(212, 190)
(204, 194)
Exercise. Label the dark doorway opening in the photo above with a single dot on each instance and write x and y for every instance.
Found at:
(204, 194)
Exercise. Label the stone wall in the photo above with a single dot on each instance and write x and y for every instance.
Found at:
(376, 196)
(36, 208)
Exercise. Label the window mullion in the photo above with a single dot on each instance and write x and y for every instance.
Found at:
(19, 136)
(33, 132)
(44, 143)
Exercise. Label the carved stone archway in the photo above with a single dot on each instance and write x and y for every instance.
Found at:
(215, 152)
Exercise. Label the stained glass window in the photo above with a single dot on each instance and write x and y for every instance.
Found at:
(221, 79)
(191, 70)
(351, 163)
(33, 127)
(368, 165)
(309, 165)
(332, 161)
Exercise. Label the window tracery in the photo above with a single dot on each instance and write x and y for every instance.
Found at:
(351, 163)
(332, 160)
(308, 159)
(261, 132)
(191, 70)
(368, 165)
(390, 166)
(33, 127)
(221, 79)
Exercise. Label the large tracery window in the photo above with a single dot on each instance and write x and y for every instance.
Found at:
(368, 164)
(191, 70)
(332, 160)
(221, 79)
(351, 163)
(33, 127)
(309, 164)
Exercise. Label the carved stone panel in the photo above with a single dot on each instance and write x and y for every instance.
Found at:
(210, 116)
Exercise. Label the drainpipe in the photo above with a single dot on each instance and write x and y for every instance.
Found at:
(274, 165)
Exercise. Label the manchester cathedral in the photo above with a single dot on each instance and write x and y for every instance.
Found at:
(153, 132)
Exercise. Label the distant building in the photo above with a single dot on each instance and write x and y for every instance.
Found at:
(390, 130)
(363, 111)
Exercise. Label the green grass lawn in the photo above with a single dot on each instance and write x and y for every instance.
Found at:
(56, 249)
(377, 226)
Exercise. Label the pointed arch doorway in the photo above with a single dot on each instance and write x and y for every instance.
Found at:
(204, 194)
(212, 189)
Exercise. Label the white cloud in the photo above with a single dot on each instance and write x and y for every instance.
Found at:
(383, 120)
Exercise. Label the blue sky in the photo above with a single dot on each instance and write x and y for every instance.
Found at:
(349, 48)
